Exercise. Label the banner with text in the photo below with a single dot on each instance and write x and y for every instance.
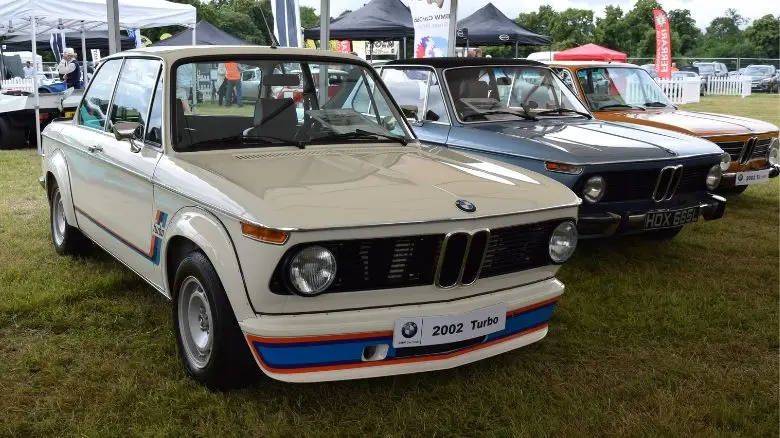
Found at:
(663, 44)
(287, 22)
(431, 19)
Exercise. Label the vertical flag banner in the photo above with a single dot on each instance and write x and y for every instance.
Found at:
(663, 44)
(135, 35)
(57, 44)
(431, 19)
(287, 22)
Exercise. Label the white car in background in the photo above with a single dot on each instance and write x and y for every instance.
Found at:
(335, 247)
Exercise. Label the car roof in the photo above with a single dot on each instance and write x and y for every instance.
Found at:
(448, 62)
(589, 64)
(174, 53)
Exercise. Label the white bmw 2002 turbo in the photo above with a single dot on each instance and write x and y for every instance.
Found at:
(311, 233)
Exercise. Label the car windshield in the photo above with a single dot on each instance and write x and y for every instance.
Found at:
(608, 88)
(510, 93)
(229, 103)
(758, 70)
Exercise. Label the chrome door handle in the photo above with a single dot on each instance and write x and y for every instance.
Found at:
(95, 148)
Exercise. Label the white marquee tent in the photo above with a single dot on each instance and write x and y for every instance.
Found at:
(41, 17)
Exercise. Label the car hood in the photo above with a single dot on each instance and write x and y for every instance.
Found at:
(695, 123)
(327, 186)
(591, 141)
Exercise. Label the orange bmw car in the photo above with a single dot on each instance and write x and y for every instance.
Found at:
(621, 92)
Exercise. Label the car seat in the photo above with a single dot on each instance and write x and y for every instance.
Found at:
(274, 118)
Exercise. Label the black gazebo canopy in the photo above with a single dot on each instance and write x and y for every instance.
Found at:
(376, 21)
(206, 34)
(488, 25)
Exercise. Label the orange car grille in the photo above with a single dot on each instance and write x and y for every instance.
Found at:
(737, 148)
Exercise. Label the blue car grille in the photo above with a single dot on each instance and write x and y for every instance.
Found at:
(637, 185)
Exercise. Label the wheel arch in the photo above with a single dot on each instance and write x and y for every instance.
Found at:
(193, 228)
(57, 172)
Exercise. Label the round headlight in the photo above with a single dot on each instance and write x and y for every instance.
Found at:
(725, 161)
(773, 151)
(593, 189)
(312, 270)
(563, 241)
(713, 177)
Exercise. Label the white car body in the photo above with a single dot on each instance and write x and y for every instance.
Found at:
(146, 207)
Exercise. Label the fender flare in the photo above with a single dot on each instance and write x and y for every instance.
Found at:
(206, 231)
(57, 165)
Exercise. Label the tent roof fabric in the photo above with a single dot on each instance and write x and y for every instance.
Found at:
(488, 25)
(73, 14)
(449, 62)
(377, 20)
(590, 52)
(206, 35)
(94, 40)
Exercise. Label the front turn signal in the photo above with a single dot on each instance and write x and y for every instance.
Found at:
(263, 234)
(562, 167)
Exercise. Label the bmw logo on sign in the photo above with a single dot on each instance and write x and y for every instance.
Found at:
(409, 330)
(466, 206)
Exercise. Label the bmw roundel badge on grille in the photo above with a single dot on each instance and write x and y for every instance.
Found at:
(466, 206)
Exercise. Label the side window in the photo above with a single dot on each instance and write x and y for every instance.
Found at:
(410, 87)
(94, 106)
(134, 92)
(154, 127)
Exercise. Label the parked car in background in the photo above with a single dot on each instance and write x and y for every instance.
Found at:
(633, 97)
(650, 69)
(633, 179)
(329, 248)
(682, 74)
(763, 78)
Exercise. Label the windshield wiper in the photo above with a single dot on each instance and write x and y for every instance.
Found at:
(621, 105)
(360, 133)
(525, 116)
(254, 139)
(656, 104)
(562, 111)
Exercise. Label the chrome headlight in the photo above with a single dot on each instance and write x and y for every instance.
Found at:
(714, 176)
(593, 190)
(312, 270)
(725, 161)
(563, 241)
(773, 151)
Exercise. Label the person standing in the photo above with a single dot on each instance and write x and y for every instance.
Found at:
(29, 71)
(221, 84)
(70, 70)
(233, 78)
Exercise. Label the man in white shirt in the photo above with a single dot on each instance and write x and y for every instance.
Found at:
(28, 70)
(70, 69)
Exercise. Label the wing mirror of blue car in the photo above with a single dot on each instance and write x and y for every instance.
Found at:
(128, 131)
(410, 113)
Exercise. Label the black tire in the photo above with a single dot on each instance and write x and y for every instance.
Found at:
(733, 191)
(665, 234)
(11, 137)
(67, 240)
(223, 361)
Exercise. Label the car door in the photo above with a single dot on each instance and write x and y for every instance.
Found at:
(122, 217)
(418, 91)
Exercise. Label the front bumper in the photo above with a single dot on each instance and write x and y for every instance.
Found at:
(330, 346)
(593, 225)
(729, 179)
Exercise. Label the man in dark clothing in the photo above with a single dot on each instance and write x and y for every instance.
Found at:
(70, 69)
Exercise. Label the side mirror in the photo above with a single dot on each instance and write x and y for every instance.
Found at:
(128, 131)
(410, 112)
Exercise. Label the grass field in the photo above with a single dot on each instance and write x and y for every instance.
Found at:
(672, 338)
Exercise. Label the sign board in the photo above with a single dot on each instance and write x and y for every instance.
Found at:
(431, 20)
(95, 54)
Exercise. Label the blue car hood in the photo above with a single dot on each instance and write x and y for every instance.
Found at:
(585, 141)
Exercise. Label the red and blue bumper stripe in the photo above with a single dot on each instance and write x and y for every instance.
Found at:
(338, 352)
(153, 253)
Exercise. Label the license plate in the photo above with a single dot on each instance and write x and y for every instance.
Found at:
(674, 218)
(753, 177)
(433, 330)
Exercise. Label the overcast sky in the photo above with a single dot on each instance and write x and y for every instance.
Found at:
(703, 11)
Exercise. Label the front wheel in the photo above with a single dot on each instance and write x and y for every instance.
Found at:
(67, 240)
(210, 342)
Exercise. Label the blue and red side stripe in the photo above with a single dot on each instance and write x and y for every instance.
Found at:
(153, 253)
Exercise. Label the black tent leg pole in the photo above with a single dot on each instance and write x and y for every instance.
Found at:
(515, 49)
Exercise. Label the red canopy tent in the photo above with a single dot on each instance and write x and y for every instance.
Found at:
(590, 52)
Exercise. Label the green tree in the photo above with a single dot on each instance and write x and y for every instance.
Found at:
(540, 22)
(572, 28)
(764, 34)
(723, 38)
(688, 33)
(309, 17)
(639, 24)
(612, 29)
